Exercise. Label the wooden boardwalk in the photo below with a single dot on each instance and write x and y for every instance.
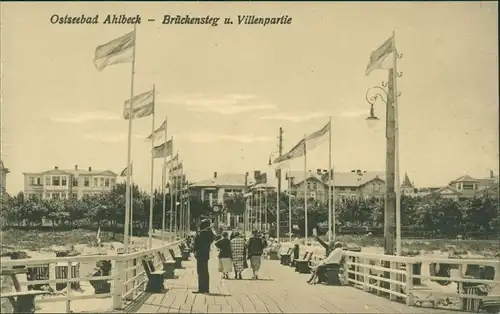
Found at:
(278, 290)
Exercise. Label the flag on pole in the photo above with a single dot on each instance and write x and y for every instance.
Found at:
(159, 132)
(143, 105)
(124, 172)
(174, 159)
(378, 56)
(119, 50)
(295, 152)
(176, 170)
(316, 138)
(162, 150)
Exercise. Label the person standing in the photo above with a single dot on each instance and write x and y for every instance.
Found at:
(202, 244)
(255, 248)
(238, 254)
(225, 262)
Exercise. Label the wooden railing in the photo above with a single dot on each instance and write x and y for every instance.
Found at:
(394, 276)
(126, 279)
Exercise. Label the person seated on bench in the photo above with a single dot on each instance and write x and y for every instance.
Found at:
(334, 257)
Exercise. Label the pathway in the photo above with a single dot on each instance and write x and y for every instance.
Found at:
(279, 290)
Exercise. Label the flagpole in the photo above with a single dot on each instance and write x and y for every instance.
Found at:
(171, 189)
(289, 204)
(164, 174)
(265, 209)
(305, 188)
(131, 203)
(176, 191)
(181, 214)
(330, 182)
(151, 196)
(259, 216)
(396, 144)
(129, 152)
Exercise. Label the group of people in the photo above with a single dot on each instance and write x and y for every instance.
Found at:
(234, 252)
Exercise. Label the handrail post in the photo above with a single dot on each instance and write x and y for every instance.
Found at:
(409, 284)
(393, 276)
(118, 285)
(366, 273)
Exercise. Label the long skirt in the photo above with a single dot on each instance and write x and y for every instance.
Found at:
(255, 262)
(225, 265)
(239, 263)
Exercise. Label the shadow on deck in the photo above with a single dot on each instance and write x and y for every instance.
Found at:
(281, 290)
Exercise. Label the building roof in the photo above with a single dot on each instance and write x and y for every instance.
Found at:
(344, 179)
(227, 179)
(465, 178)
(406, 182)
(2, 167)
(79, 172)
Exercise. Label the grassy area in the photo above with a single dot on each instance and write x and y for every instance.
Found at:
(36, 239)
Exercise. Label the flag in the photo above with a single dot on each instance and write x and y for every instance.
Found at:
(124, 172)
(378, 56)
(159, 132)
(164, 149)
(143, 105)
(174, 159)
(314, 139)
(295, 152)
(119, 50)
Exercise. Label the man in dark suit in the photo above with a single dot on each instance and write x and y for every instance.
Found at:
(202, 244)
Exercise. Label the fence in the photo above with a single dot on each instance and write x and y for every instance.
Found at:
(125, 279)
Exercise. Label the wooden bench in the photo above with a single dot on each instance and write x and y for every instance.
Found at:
(155, 278)
(490, 306)
(177, 259)
(293, 264)
(22, 300)
(185, 253)
(100, 286)
(286, 257)
(303, 265)
(168, 266)
(273, 255)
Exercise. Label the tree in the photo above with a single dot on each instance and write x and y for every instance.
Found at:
(235, 203)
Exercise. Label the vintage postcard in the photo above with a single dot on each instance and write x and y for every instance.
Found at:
(250, 157)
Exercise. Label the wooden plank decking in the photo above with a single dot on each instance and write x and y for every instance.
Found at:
(279, 290)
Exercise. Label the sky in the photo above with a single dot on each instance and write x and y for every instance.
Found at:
(226, 90)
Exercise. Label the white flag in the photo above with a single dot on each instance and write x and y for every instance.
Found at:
(143, 105)
(119, 50)
(378, 56)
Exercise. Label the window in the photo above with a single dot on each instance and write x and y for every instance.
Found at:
(32, 180)
(86, 182)
(74, 181)
(376, 187)
(353, 189)
(47, 180)
(63, 181)
(55, 196)
(47, 195)
(468, 186)
(106, 182)
(56, 180)
(112, 182)
(101, 182)
(342, 189)
(74, 195)
(38, 181)
(95, 182)
(62, 196)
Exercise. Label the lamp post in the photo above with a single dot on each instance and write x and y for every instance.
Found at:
(373, 95)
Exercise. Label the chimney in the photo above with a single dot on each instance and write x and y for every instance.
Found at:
(325, 171)
(353, 171)
(359, 172)
(492, 174)
(90, 169)
(215, 175)
(76, 167)
(56, 168)
(318, 171)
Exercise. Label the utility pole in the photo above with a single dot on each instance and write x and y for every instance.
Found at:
(278, 173)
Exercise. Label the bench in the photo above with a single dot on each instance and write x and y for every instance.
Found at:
(293, 264)
(177, 259)
(302, 266)
(22, 300)
(155, 278)
(168, 266)
(273, 255)
(286, 257)
(490, 306)
(100, 286)
(185, 253)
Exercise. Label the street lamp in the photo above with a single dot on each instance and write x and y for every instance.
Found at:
(374, 94)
